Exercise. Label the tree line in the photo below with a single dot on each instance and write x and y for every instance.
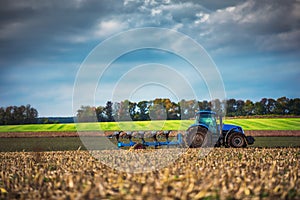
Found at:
(13, 115)
(165, 109)
(160, 109)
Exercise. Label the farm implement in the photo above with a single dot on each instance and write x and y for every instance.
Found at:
(205, 132)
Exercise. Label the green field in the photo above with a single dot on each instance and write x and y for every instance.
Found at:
(247, 124)
(267, 124)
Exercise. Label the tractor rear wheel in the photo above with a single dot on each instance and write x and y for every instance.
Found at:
(236, 140)
(197, 137)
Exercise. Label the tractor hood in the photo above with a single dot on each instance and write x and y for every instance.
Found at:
(212, 129)
(199, 124)
(227, 127)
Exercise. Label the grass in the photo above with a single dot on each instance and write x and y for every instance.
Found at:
(247, 124)
(38, 127)
(267, 124)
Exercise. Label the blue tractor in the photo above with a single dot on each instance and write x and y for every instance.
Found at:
(206, 132)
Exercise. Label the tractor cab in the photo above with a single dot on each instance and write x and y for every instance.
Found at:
(207, 119)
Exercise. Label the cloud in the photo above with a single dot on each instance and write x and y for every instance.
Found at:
(107, 28)
(248, 27)
(286, 41)
(43, 28)
(235, 26)
(42, 43)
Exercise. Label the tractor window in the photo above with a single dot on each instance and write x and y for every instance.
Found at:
(207, 119)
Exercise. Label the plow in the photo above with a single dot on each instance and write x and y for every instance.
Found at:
(205, 132)
(147, 134)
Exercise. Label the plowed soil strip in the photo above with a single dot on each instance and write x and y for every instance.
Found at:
(255, 133)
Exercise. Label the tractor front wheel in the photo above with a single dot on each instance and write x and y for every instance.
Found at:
(236, 140)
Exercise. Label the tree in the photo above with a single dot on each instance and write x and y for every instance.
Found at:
(249, 107)
(188, 108)
(271, 106)
(31, 114)
(260, 107)
(100, 114)
(240, 108)
(173, 112)
(86, 114)
(166, 106)
(143, 107)
(204, 105)
(122, 111)
(2, 116)
(217, 107)
(282, 106)
(18, 115)
(294, 106)
(109, 111)
(133, 111)
(8, 119)
(231, 107)
(157, 111)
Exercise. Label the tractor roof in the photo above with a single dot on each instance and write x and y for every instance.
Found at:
(206, 112)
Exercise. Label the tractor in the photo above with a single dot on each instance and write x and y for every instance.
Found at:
(206, 132)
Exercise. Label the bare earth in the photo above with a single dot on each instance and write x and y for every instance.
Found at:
(254, 133)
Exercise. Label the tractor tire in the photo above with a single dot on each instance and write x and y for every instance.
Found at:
(236, 140)
(197, 137)
(138, 146)
(250, 140)
(218, 144)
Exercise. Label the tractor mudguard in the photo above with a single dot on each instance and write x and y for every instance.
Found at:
(227, 135)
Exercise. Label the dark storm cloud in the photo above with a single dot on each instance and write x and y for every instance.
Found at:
(214, 5)
(46, 28)
(268, 17)
(253, 26)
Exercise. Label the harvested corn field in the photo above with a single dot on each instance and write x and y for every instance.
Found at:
(253, 173)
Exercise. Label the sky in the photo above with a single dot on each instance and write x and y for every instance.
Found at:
(46, 45)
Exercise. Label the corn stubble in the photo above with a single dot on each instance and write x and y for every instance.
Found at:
(251, 173)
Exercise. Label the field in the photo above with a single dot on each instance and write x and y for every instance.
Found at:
(54, 167)
(73, 143)
(251, 173)
(247, 124)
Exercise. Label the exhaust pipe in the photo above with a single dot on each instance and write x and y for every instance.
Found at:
(221, 124)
